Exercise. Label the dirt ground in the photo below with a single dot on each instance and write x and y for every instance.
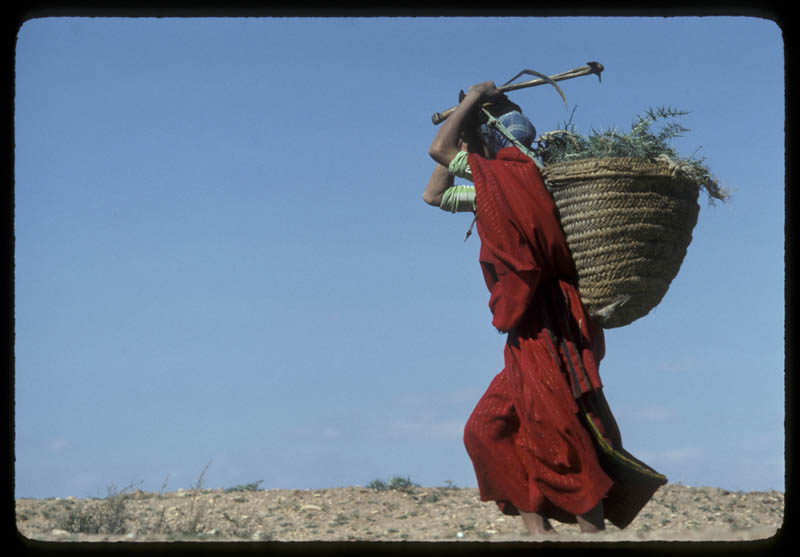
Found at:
(428, 514)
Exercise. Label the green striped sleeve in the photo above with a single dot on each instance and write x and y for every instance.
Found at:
(459, 166)
(458, 199)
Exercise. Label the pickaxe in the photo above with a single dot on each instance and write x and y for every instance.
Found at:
(595, 68)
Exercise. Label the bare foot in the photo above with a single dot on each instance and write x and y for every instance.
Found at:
(536, 523)
(592, 521)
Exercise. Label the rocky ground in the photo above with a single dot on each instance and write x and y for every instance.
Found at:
(412, 513)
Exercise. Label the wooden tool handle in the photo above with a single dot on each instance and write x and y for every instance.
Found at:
(590, 68)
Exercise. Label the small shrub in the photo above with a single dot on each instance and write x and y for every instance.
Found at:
(378, 485)
(197, 508)
(396, 483)
(431, 497)
(245, 487)
(107, 516)
(399, 483)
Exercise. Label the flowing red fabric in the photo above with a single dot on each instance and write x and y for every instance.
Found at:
(528, 445)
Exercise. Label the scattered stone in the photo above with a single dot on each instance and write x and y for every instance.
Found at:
(676, 512)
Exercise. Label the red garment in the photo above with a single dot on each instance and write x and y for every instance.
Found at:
(540, 462)
(524, 254)
(529, 447)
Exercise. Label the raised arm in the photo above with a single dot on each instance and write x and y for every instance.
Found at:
(445, 145)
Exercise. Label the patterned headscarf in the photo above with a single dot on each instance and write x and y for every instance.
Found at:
(516, 123)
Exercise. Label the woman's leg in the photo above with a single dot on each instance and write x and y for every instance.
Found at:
(592, 521)
(536, 523)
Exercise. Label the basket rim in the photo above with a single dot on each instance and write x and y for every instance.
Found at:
(601, 167)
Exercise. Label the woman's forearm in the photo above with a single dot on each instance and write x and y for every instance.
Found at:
(440, 180)
(445, 145)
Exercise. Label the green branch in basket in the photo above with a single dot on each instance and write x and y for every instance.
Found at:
(642, 141)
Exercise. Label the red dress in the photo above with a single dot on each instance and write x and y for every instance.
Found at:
(527, 439)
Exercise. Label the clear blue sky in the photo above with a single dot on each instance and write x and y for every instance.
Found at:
(222, 253)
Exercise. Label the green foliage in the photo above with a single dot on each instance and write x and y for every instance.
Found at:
(642, 141)
(401, 484)
(396, 483)
(253, 486)
(378, 485)
(566, 144)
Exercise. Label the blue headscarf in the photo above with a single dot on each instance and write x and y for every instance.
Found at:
(516, 123)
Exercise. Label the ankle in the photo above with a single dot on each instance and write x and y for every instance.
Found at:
(536, 523)
(593, 520)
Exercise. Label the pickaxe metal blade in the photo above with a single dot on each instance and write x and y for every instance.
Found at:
(591, 68)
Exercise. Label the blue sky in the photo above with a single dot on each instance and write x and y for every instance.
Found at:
(222, 254)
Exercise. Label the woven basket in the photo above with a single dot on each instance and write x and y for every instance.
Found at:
(628, 223)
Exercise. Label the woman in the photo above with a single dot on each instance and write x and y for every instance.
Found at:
(533, 436)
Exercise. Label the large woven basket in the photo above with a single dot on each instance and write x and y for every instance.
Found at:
(628, 223)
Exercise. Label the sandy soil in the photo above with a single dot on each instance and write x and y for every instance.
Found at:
(427, 514)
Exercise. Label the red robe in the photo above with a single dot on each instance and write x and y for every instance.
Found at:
(527, 439)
